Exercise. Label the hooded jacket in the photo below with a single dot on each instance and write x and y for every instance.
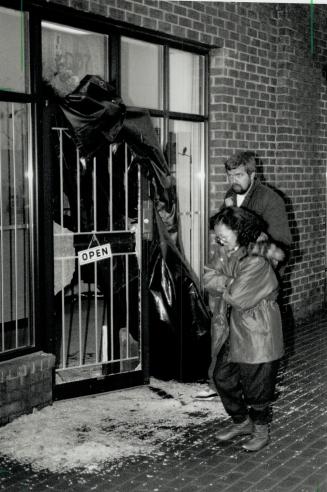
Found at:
(248, 284)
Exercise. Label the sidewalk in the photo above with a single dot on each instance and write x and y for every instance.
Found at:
(295, 460)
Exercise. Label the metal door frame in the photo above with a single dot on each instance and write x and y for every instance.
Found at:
(38, 11)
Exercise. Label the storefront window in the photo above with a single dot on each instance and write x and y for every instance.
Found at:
(152, 75)
(15, 227)
(141, 74)
(186, 158)
(13, 51)
(68, 54)
(186, 76)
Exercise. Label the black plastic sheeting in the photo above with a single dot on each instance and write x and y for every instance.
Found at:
(179, 319)
(97, 116)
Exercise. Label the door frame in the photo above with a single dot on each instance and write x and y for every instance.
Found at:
(45, 271)
(38, 11)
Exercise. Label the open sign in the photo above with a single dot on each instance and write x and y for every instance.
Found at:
(97, 253)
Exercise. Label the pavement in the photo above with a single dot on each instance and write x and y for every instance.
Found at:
(295, 460)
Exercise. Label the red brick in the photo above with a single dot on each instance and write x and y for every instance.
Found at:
(173, 19)
(98, 9)
(125, 5)
(141, 9)
(117, 14)
(156, 14)
(149, 23)
(80, 4)
(184, 21)
(164, 26)
(193, 34)
(168, 6)
(199, 26)
(133, 19)
(178, 9)
(198, 6)
(179, 31)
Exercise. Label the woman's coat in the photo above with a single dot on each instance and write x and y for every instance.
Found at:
(248, 284)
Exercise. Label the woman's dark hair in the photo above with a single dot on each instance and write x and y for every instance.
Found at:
(246, 224)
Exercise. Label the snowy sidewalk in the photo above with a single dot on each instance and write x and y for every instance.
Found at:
(160, 439)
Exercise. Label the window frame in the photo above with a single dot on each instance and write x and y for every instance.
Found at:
(168, 116)
(39, 11)
(26, 98)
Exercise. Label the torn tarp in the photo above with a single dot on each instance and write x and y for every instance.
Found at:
(98, 117)
(95, 114)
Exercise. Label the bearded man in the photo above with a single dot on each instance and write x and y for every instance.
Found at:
(247, 191)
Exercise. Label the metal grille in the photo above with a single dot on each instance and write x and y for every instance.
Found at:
(94, 302)
(15, 229)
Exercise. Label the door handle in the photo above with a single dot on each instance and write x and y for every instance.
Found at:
(147, 219)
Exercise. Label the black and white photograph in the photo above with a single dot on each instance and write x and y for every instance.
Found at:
(163, 245)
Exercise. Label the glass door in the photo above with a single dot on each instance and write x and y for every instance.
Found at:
(97, 303)
(96, 212)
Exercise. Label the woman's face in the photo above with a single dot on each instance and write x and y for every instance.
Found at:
(225, 236)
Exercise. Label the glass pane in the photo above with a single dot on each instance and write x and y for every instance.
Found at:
(68, 54)
(186, 82)
(186, 158)
(15, 271)
(13, 51)
(97, 305)
(98, 318)
(141, 74)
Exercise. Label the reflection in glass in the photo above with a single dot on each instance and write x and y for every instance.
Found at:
(186, 82)
(15, 272)
(158, 125)
(13, 59)
(68, 54)
(186, 159)
(141, 73)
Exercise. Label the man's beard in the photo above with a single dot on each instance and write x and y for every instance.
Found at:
(239, 190)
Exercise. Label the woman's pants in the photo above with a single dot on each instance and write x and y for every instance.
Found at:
(241, 385)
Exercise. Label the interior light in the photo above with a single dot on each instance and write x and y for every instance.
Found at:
(62, 28)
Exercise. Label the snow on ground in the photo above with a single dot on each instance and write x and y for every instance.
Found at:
(90, 431)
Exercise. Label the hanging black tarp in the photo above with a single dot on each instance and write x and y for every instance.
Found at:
(97, 116)
(180, 334)
(179, 320)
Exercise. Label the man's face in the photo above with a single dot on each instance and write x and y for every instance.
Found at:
(240, 180)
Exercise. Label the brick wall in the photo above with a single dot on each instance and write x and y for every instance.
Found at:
(267, 93)
(301, 149)
(25, 383)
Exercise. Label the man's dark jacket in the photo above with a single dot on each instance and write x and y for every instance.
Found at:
(269, 205)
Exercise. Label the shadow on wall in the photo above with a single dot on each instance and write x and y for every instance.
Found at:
(294, 256)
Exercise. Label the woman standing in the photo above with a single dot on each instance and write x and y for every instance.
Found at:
(246, 365)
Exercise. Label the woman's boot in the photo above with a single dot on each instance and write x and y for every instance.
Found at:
(259, 439)
(234, 430)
